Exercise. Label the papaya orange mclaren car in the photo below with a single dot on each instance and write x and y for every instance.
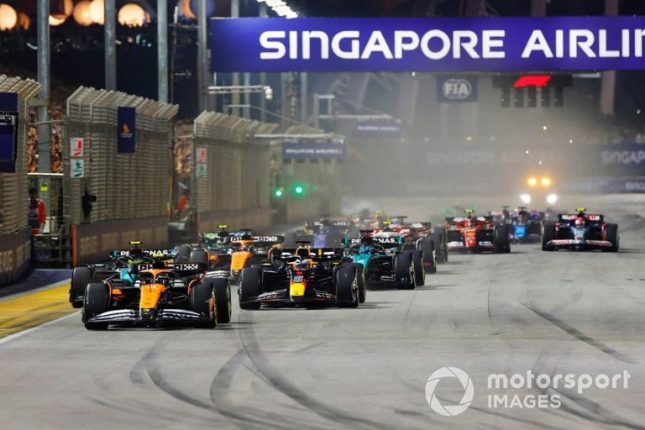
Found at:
(162, 293)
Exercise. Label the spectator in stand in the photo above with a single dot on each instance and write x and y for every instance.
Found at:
(37, 211)
(183, 204)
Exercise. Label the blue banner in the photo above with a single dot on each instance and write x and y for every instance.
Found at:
(427, 44)
(457, 89)
(8, 132)
(378, 127)
(126, 129)
(621, 159)
(313, 149)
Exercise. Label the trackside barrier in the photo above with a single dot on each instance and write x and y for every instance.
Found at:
(131, 189)
(232, 175)
(15, 237)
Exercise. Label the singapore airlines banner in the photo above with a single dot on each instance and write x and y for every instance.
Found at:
(427, 44)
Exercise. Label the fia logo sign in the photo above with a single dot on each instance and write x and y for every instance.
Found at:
(456, 89)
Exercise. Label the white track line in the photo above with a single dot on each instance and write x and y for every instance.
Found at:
(33, 329)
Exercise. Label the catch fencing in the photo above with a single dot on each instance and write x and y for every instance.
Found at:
(131, 189)
(15, 236)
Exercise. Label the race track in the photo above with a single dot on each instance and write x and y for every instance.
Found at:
(366, 368)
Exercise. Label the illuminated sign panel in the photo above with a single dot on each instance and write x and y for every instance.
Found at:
(427, 44)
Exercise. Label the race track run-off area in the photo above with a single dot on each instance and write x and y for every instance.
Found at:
(367, 368)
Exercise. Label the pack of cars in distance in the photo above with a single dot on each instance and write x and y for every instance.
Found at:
(331, 262)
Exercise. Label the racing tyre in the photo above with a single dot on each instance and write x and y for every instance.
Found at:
(501, 241)
(429, 263)
(360, 278)
(346, 286)
(222, 300)
(250, 282)
(81, 276)
(202, 300)
(199, 256)
(95, 303)
(548, 235)
(402, 264)
(440, 246)
(611, 235)
(183, 254)
(417, 266)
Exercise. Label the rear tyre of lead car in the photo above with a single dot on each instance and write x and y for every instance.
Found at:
(419, 271)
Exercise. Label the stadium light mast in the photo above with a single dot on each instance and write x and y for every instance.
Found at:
(110, 44)
(162, 50)
(44, 161)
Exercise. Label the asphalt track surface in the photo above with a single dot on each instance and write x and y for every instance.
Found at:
(363, 368)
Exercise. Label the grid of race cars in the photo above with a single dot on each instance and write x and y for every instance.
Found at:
(329, 262)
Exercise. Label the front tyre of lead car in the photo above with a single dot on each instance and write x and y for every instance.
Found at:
(548, 234)
(222, 300)
(81, 277)
(429, 262)
(346, 286)
(501, 240)
(402, 264)
(96, 302)
(250, 283)
(611, 235)
(202, 301)
(419, 271)
(360, 279)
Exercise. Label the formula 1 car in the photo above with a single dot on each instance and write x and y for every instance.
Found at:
(385, 261)
(301, 277)
(251, 250)
(180, 293)
(525, 226)
(421, 236)
(580, 231)
(121, 267)
(477, 233)
(218, 246)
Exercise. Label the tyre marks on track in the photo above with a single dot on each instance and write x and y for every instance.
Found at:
(580, 336)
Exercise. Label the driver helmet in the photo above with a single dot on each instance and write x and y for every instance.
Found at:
(305, 264)
(580, 222)
(367, 240)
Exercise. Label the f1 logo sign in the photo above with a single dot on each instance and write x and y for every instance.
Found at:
(77, 147)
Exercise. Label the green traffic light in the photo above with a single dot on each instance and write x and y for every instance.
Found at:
(299, 189)
(278, 193)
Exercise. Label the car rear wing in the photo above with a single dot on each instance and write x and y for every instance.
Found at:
(389, 242)
(268, 240)
(314, 253)
(572, 217)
